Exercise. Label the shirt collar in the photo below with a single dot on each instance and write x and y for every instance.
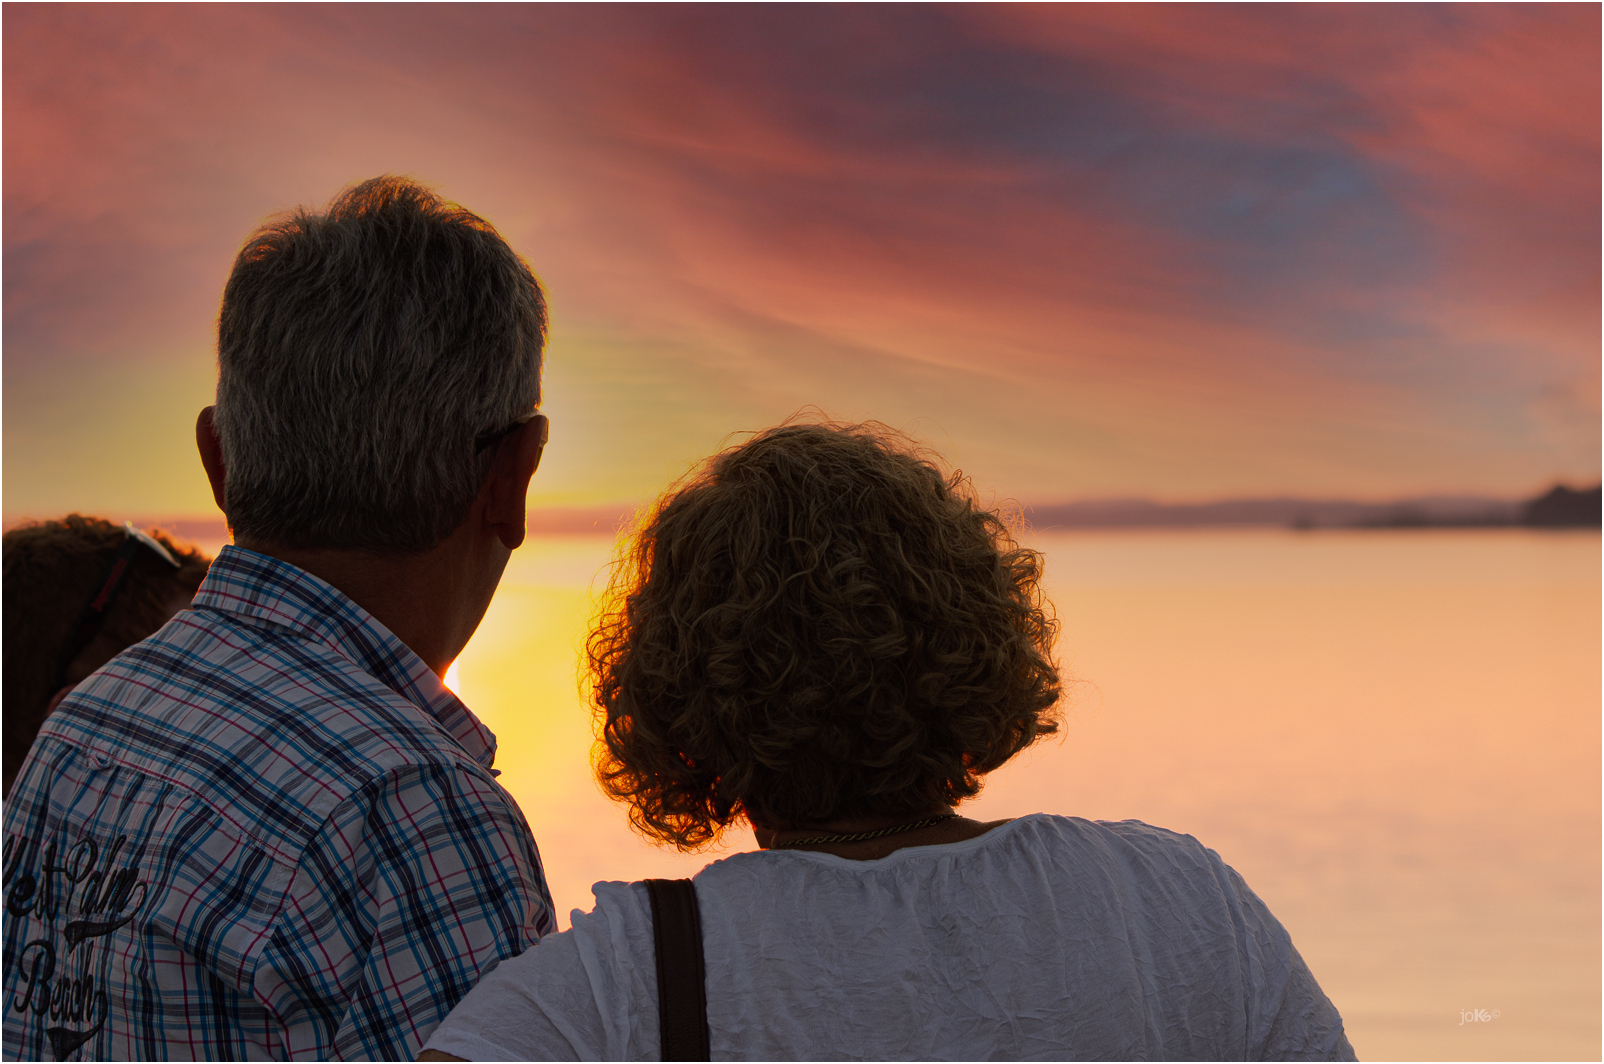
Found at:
(262, 588)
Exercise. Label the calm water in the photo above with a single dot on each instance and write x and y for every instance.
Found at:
(1394, 736)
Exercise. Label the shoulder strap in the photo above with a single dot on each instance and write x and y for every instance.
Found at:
(681, 975)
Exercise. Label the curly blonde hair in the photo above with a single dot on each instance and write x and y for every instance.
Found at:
(816, 624)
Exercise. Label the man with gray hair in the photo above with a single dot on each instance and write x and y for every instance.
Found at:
(270, 831)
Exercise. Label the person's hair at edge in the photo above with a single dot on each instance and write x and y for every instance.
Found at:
(816, 624)
(361, 351)
(52, 569)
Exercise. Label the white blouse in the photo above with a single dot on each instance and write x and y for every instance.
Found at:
(1047, 938)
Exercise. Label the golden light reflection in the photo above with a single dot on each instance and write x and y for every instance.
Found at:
(1393, 736)
(520, 676)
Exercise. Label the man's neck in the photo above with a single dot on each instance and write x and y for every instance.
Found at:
(431, 600)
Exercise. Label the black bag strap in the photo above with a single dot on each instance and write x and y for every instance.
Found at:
(681, 974)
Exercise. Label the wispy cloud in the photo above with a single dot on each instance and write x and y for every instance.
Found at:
(1085, 249)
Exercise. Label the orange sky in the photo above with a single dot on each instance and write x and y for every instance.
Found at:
(1170, 250)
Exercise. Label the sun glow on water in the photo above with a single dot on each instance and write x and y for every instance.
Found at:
(1327, 711)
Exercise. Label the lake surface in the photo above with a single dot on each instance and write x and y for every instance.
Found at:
(1393, 736)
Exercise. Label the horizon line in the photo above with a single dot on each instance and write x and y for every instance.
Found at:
(1088, 512)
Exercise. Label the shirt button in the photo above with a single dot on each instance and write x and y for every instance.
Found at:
(102, 759)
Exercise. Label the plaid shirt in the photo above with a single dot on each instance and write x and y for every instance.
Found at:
(266, 832)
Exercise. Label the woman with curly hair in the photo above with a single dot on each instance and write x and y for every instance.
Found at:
(822, 636)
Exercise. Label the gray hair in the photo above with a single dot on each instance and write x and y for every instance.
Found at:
(360, 353)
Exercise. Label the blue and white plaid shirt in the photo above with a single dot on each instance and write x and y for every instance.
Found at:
(267, 832)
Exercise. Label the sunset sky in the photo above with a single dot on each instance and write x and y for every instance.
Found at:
(1181, 251)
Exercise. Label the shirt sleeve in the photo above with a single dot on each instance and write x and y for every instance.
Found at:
(588, 993)
(1290, 1017)
(409, 892)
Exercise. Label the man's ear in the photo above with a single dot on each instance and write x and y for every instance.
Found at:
(516, 461)
(211, 456)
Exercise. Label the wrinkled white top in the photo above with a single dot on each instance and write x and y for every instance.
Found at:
(1048, 938)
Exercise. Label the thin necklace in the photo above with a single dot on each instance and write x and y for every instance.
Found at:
(862, 835)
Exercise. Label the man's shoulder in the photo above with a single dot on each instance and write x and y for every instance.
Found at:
(218, 784)
(253, 716)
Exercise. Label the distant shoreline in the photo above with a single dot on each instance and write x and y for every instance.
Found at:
(1560, 507)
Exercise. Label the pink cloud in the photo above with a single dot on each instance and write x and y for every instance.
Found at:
(1160, 248)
